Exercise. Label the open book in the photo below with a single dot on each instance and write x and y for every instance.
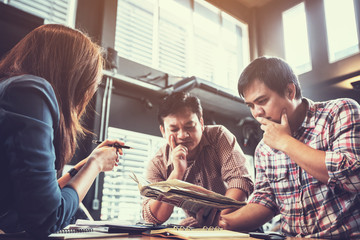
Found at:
(197, 233)
(186, 195)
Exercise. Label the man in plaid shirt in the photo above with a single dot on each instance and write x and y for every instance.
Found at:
(307, 164)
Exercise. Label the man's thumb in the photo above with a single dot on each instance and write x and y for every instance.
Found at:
(172, 142)
(284, 118)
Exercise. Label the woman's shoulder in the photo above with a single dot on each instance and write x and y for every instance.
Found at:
(26, 81)
(19, 92)
(38, 84)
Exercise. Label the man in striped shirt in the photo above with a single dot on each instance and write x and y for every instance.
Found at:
(308, 166)
(208, 156)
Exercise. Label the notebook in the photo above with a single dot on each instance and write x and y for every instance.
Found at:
(197, 233)
(78, 233)
(117, 226)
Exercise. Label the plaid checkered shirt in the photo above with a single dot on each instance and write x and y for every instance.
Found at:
(307, 206)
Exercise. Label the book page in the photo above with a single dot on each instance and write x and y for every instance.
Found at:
(79, 235)
(199, 233)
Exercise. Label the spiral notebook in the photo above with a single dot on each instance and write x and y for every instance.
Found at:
(197, 233)
(78, 233)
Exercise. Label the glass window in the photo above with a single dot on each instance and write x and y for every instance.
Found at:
(234, 39)
(296, 41)
(173, 37)
(52, 11)
(341, 29)
(195, 40)
(134, 30)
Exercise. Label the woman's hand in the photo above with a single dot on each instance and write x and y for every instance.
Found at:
(103, 158)
(106, 155)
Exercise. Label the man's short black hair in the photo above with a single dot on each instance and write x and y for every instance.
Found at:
(274, 72)
(176, 101)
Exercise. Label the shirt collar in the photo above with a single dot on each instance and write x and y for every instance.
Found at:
(309, 121)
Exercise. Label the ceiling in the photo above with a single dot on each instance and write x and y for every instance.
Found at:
(254, 3)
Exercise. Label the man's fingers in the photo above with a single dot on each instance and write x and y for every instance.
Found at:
(172, 142)
(263, 121)
(200, 214)
(284, 119)
(223, 223)
(214, 214)
(209, 219)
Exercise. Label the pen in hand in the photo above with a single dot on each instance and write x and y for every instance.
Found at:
(116, 145)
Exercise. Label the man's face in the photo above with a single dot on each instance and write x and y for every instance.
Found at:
(185, 126)
(266, 103)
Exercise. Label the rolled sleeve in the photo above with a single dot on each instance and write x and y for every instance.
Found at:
(233, 161)
(147, 214)
(342, 161)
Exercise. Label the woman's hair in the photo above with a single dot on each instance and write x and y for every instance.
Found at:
(176, 101)
(274, 72)
(72, 64)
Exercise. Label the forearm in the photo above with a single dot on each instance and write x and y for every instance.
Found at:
(83, 180)
(63, 180)
(160, 210)
(309, 159)
(247, 218)
(236, 194)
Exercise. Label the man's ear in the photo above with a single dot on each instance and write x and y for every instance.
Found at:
(290, 91)
(162, 131)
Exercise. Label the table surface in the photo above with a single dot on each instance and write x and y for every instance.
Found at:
(139, 237)
(144, 237)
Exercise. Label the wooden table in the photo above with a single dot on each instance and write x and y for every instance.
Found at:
(139, 237)
(143, 237)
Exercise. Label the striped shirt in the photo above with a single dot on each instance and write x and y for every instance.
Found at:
(219, 164)
(307, 206)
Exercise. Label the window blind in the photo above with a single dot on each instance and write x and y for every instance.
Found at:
(181, 38)
(172, 46)
(52, 11)
(204, 56)
(134, 31)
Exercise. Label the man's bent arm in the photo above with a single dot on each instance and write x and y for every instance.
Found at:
(236, 194)
(247, 218)
(161, 210)
(308, 158)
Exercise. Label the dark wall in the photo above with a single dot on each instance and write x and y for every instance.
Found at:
(266, 38)
(317, 84)
(89, 18)
(14, 25)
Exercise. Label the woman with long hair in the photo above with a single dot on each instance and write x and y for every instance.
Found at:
(46, 82)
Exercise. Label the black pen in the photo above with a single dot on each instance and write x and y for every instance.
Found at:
(271, 235)
(116, 145)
